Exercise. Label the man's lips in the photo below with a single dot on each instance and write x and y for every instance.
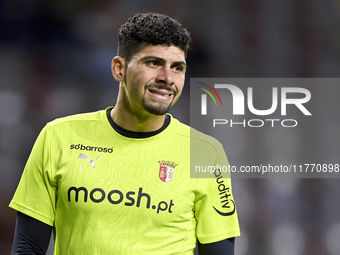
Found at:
(161, 93)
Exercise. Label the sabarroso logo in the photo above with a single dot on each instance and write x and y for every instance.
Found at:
(238, 105)
(90, 148)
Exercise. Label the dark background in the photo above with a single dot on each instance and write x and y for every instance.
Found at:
(55, 60)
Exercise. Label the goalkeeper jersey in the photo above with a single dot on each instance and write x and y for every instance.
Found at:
(105, 193)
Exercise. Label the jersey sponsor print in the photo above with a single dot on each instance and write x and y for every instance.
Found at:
(115, 197)
(224, 193)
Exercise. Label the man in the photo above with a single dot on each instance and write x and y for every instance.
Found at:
(118, 181)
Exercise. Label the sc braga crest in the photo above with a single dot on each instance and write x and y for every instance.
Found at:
(166, 170)
(239, 105)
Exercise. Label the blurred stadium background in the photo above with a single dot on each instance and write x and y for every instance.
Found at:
(55, 60)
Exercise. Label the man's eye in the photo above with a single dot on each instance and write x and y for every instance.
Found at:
(154, 63)
(179, 68)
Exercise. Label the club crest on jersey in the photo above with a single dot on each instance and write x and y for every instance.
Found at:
(166, 170)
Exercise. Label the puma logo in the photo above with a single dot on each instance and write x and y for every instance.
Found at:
(83, 156)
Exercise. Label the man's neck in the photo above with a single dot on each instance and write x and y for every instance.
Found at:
(135, 122)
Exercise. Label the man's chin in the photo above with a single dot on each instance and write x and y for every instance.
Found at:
(157, 110)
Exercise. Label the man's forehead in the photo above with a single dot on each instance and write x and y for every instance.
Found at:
(168, 53)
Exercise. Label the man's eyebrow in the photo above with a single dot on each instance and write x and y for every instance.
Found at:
(163, 60)
(180, 63)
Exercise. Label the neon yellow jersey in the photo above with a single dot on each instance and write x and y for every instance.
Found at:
(105, 193)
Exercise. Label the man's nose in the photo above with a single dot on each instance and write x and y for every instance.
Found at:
(165, 76)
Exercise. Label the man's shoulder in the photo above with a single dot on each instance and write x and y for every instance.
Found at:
(76, 118)
(195, 136)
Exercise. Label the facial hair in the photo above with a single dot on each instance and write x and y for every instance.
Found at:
(158, 108)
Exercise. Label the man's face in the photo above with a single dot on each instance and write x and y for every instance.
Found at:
(154, 79)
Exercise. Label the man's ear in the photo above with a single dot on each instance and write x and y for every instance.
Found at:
(118, 68)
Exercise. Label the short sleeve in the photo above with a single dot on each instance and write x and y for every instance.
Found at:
(215, 211)
(36, 195)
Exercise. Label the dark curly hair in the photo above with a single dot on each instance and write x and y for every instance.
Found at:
(151, 29)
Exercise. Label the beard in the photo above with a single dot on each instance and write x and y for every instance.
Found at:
(156, 108)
